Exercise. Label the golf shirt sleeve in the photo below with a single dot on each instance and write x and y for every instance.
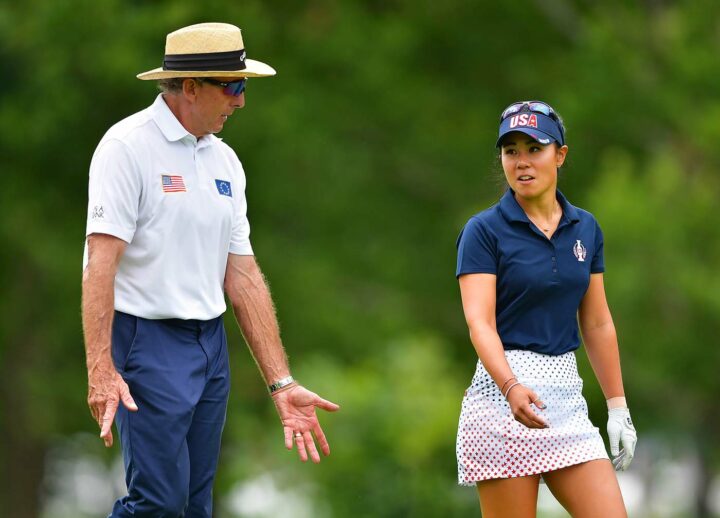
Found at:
(477, 249)
(240, 237)
(114, 191)
(598, 261)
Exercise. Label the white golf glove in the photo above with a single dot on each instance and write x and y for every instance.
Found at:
(621, 430)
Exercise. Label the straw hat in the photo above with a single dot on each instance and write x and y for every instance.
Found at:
(207, 50)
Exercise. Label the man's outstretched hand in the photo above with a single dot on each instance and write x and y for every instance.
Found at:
(296, 407)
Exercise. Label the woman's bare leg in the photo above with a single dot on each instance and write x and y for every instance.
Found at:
(509, 497)
(588, 490)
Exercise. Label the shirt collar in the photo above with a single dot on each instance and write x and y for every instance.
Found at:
(172, 129)
(569, 210)
(167, 122)
(512, 211)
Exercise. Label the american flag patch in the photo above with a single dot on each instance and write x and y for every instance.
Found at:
(173, 183)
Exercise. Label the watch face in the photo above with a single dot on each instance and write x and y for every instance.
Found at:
(281, 383)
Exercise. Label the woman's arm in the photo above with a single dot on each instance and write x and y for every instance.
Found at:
(478, 299)
(601, 345)
(598, 332)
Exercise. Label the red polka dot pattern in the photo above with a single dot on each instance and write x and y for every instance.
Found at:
(492, 444)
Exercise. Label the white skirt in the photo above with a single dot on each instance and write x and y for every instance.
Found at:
(492, 444)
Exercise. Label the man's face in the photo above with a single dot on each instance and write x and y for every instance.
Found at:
(213, 106)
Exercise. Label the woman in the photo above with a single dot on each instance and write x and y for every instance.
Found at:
(530, 269)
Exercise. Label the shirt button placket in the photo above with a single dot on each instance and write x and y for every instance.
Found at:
(195, 161)
(199, 173)
(191, 142)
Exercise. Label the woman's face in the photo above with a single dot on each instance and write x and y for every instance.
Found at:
(530, 167)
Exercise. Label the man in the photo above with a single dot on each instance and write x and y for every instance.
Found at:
(167, 232)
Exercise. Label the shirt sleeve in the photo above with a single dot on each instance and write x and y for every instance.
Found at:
(114, 192)
(598, 261)
(240, 237)
(477, 249)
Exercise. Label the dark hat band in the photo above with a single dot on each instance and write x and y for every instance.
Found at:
(231, 61)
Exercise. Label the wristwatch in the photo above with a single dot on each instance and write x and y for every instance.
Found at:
(281, 383)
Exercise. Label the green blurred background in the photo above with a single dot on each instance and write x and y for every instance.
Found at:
(364, 158)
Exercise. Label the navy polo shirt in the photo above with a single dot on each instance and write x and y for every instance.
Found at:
(540, 281)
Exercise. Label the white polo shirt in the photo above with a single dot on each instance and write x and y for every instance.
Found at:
(179, 203)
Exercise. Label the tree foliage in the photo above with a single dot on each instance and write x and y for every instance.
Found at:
(364, 157)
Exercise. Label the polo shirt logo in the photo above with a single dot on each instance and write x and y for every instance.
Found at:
(224, 187)
(173, 183)
(524, 119)
(580, 251)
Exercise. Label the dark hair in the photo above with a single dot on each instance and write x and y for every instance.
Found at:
(498, 175)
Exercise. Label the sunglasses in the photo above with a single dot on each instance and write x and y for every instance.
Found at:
(533, 106)
(233, 88)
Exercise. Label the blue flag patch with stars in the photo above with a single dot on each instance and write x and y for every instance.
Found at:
(223, 187)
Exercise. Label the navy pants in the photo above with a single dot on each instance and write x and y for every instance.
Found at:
(178, 374)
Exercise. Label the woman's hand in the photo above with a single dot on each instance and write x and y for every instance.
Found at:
(521, 399)
(621, 431)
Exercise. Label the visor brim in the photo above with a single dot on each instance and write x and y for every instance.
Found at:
(539, 136)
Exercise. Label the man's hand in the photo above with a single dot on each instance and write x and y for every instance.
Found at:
(106, 389)
(621, 430)
(296, 406)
